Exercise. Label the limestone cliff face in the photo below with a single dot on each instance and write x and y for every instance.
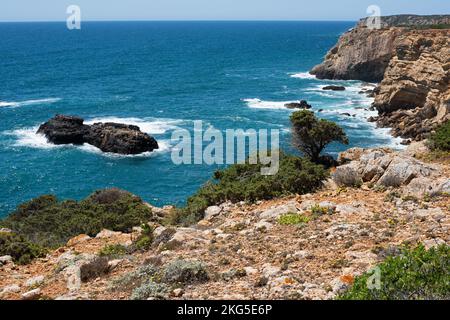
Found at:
(411, 60)
(361, 54)
(414, 95)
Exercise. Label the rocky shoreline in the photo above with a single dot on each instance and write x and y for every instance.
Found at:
(411, 64)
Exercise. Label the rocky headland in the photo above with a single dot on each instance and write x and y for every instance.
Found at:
(410, 59)
(108, 137)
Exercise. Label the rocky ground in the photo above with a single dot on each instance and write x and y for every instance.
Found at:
(245, 251)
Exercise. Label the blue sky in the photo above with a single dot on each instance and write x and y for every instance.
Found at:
(55, 10)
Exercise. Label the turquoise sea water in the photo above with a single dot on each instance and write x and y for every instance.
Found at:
(158, 75)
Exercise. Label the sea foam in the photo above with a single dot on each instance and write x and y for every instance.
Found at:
(303, 75)
(28, 102)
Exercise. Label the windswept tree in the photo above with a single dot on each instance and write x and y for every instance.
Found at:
(311, 135)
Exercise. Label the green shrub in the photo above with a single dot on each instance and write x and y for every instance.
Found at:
(21, 250)
(244, 182)
(293, 219)
(319, 211)
(185, 272)
(48, 222)
(311, 135)
(145, 240)
(150, 290)
(133, 279)
(112, 250)
(415, 274)
(440, 139)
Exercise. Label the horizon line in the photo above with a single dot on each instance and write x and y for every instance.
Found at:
(185, 20)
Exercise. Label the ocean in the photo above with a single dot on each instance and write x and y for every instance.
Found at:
(159, 76)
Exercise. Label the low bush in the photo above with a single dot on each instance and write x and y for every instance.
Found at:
(440, 139)
(414, 274)
(293, 219)
(145, 240)
(244, 182)
(133, 279)
(113, 250)
(150, 290)
(48, 222)
(185, 272)
(21, 250)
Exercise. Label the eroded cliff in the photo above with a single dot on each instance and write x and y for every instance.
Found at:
(410, 57)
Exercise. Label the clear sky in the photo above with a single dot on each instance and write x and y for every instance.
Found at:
(55, 10)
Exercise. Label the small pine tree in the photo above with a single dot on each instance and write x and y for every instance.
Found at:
(311, 135)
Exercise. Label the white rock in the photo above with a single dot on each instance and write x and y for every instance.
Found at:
(211, 212)
(263, 225)
(269, 271)
(330, 206)
(307, 205)
(250, 270)
(14, 288)
(277, 211)
(35, 281)
(178, 292)
(338, 286)
(32, 295)
(432, 243)
(104, 234)
(114, 263)
(5, 260)
(224, 236)
(301, 254)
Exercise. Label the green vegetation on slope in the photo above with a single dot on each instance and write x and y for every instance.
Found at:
(16, 246)
(440, 139)
(415, 274)
(244, 182)
(48, 222)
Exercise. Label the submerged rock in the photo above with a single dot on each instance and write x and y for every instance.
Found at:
(108, 137)
(298, 105)
(334, 88)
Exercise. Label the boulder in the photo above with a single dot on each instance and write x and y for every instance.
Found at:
(303, 104)
(402, 170)
(79, 268)
(276, 211)
(212, 211)
(334, 88)
(120, 138)
(32, 295)
(5, 260)
(350, 155)
(347, 175)
(108, 137)
(35, 281)
(63, 129)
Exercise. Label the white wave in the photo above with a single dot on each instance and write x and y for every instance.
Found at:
(164, 146)
(28, 102)
(27, 137)
(303, 75)
(261, 104)
(147, 125)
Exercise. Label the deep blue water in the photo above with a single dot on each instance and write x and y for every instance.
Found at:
(158, 75)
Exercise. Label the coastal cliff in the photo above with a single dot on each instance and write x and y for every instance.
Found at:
(410, 58)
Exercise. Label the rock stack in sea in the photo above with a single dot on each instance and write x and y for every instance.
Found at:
(108, 137)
